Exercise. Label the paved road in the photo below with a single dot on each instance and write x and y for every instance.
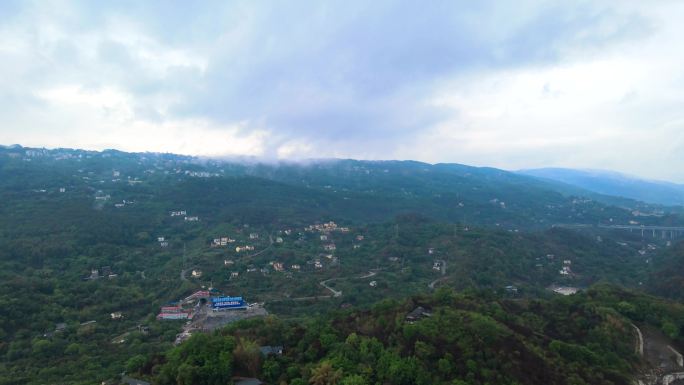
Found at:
(338, 293)
(639, 343)
(270, 244)
(335, 293)
(663, 363)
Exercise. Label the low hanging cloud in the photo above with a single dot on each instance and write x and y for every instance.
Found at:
(508, 84)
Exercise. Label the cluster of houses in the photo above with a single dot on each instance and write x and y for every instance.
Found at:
(201, 174)
(100, 196)
(184, 214)
(326, 227)
(276, 266)
(162, 242)
(223, 241)
(565, 270)
(97, 274)
(176, 312)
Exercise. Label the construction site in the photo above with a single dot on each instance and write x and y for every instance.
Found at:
(205, 312)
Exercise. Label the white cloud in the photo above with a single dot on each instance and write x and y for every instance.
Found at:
(525, 84)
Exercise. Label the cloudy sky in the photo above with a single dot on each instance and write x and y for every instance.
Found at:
(510, 84)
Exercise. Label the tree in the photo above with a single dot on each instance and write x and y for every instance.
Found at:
(354, 379)
(135, 363)
(325, 374)
(248, 356)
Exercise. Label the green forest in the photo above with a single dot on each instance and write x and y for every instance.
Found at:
(91, 247)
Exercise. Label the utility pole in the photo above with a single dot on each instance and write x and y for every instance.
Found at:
(184, 256)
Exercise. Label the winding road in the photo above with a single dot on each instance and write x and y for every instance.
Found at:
(338, 293)
(432, 284)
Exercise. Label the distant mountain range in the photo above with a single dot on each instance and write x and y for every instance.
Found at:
(615, 184)
(354, 190)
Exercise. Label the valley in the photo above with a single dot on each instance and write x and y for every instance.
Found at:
(122, 236)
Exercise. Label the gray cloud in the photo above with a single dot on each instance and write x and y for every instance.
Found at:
(355, 79)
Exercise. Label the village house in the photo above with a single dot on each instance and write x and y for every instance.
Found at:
(373, 283)
(359, 237)
(240, 249)
(318, 264)
(160, 239)
(234, 274)
(180, 213)
(191, 219)
(296, 267)
(324, 237)
(278, 266)
(196, 273)
(228, 262)
(271, 350)
(116, 315)
(511, 289)
(279, 240)
(253, 236)
(62, 189)
(437, 265)
(330, 247)
(223, 241)
(323, 228)
(356, 246)
(417, 314)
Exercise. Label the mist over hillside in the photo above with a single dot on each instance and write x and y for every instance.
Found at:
(614, 184)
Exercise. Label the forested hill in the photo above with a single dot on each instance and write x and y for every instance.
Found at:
(614, 184)
(94, 244)
(447, 338)
(357, 191)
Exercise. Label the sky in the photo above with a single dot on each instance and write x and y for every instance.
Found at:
(509, 84)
